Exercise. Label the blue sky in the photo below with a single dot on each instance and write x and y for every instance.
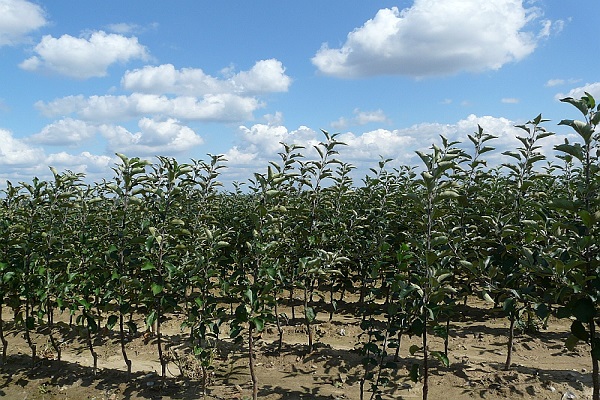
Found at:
(83, 79)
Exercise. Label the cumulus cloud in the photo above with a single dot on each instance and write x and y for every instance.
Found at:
(84, 57)
(509, 100)
(220, 107)
(436, 37)
(260, 143)
(84, 162)
(578, 92)
(361, 118)
(266, 76)
(65, 132)
(15, 152)
(266, 139)
(18, 18)
(166, 137)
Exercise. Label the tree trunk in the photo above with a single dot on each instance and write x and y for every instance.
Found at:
(161, 358)
(511, 335)
(595, 368)
(122, 340)
(91, 347)
(27, 333)
(2, 338)
(425, 365)
(251, 362)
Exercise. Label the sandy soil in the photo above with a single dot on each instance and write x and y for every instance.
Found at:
(542, 367)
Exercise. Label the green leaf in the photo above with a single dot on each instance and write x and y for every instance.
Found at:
(151, 318)
(579, 331)
(486, 296)
(563, 204)
(415, 372)
(441, 357)
(587, 219)
(413, 349)
(148, 266)
(310, 314)
(111, 321)
(249, 295)
(571, 342)
(584, 129)
(91, 323)
(157, 288)
(581, 104)
(132, 327)
(235, 331)
(259, 323)
(584, 309)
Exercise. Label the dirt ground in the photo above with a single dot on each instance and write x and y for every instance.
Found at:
(542, 367)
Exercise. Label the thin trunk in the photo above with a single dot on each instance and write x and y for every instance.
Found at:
(380, 363)
(307, 321)
(595, 368)
(447, 337)
(511, 336)
(91, 348)
(2, 338)
(122, 340)
(53, 341)
(292, 303)
(279, 328)
(362, 388)
(28, 335)
(425, 364)
(251, 363)
(332, 302)
(163, 362)
(397, 355)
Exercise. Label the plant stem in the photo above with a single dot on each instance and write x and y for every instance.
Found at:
(511, 335)
(425, 362)
(91, 348)
(2, 338)
(163, 362)
(122, 340)
(251, 362)
(595, 368)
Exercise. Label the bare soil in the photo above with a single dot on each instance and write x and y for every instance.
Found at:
(542, 367)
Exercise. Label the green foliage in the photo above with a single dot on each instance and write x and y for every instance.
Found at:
(162, 237)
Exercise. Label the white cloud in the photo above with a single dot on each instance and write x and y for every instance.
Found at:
(554, 82)
(83, 57)
(509, 100)
(123, 28)
(340, 123)
(578, 92)
(167, 137)
(264, 77)
(84, 162)
(365, 117)
(368, 146)
(68, 132)
(559, 82)
(15, 152)
(266, 139)
(361, 118)
(220, 107)
(18, 18)
(435, 37)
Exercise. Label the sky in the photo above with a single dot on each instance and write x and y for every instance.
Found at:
(82, 80)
